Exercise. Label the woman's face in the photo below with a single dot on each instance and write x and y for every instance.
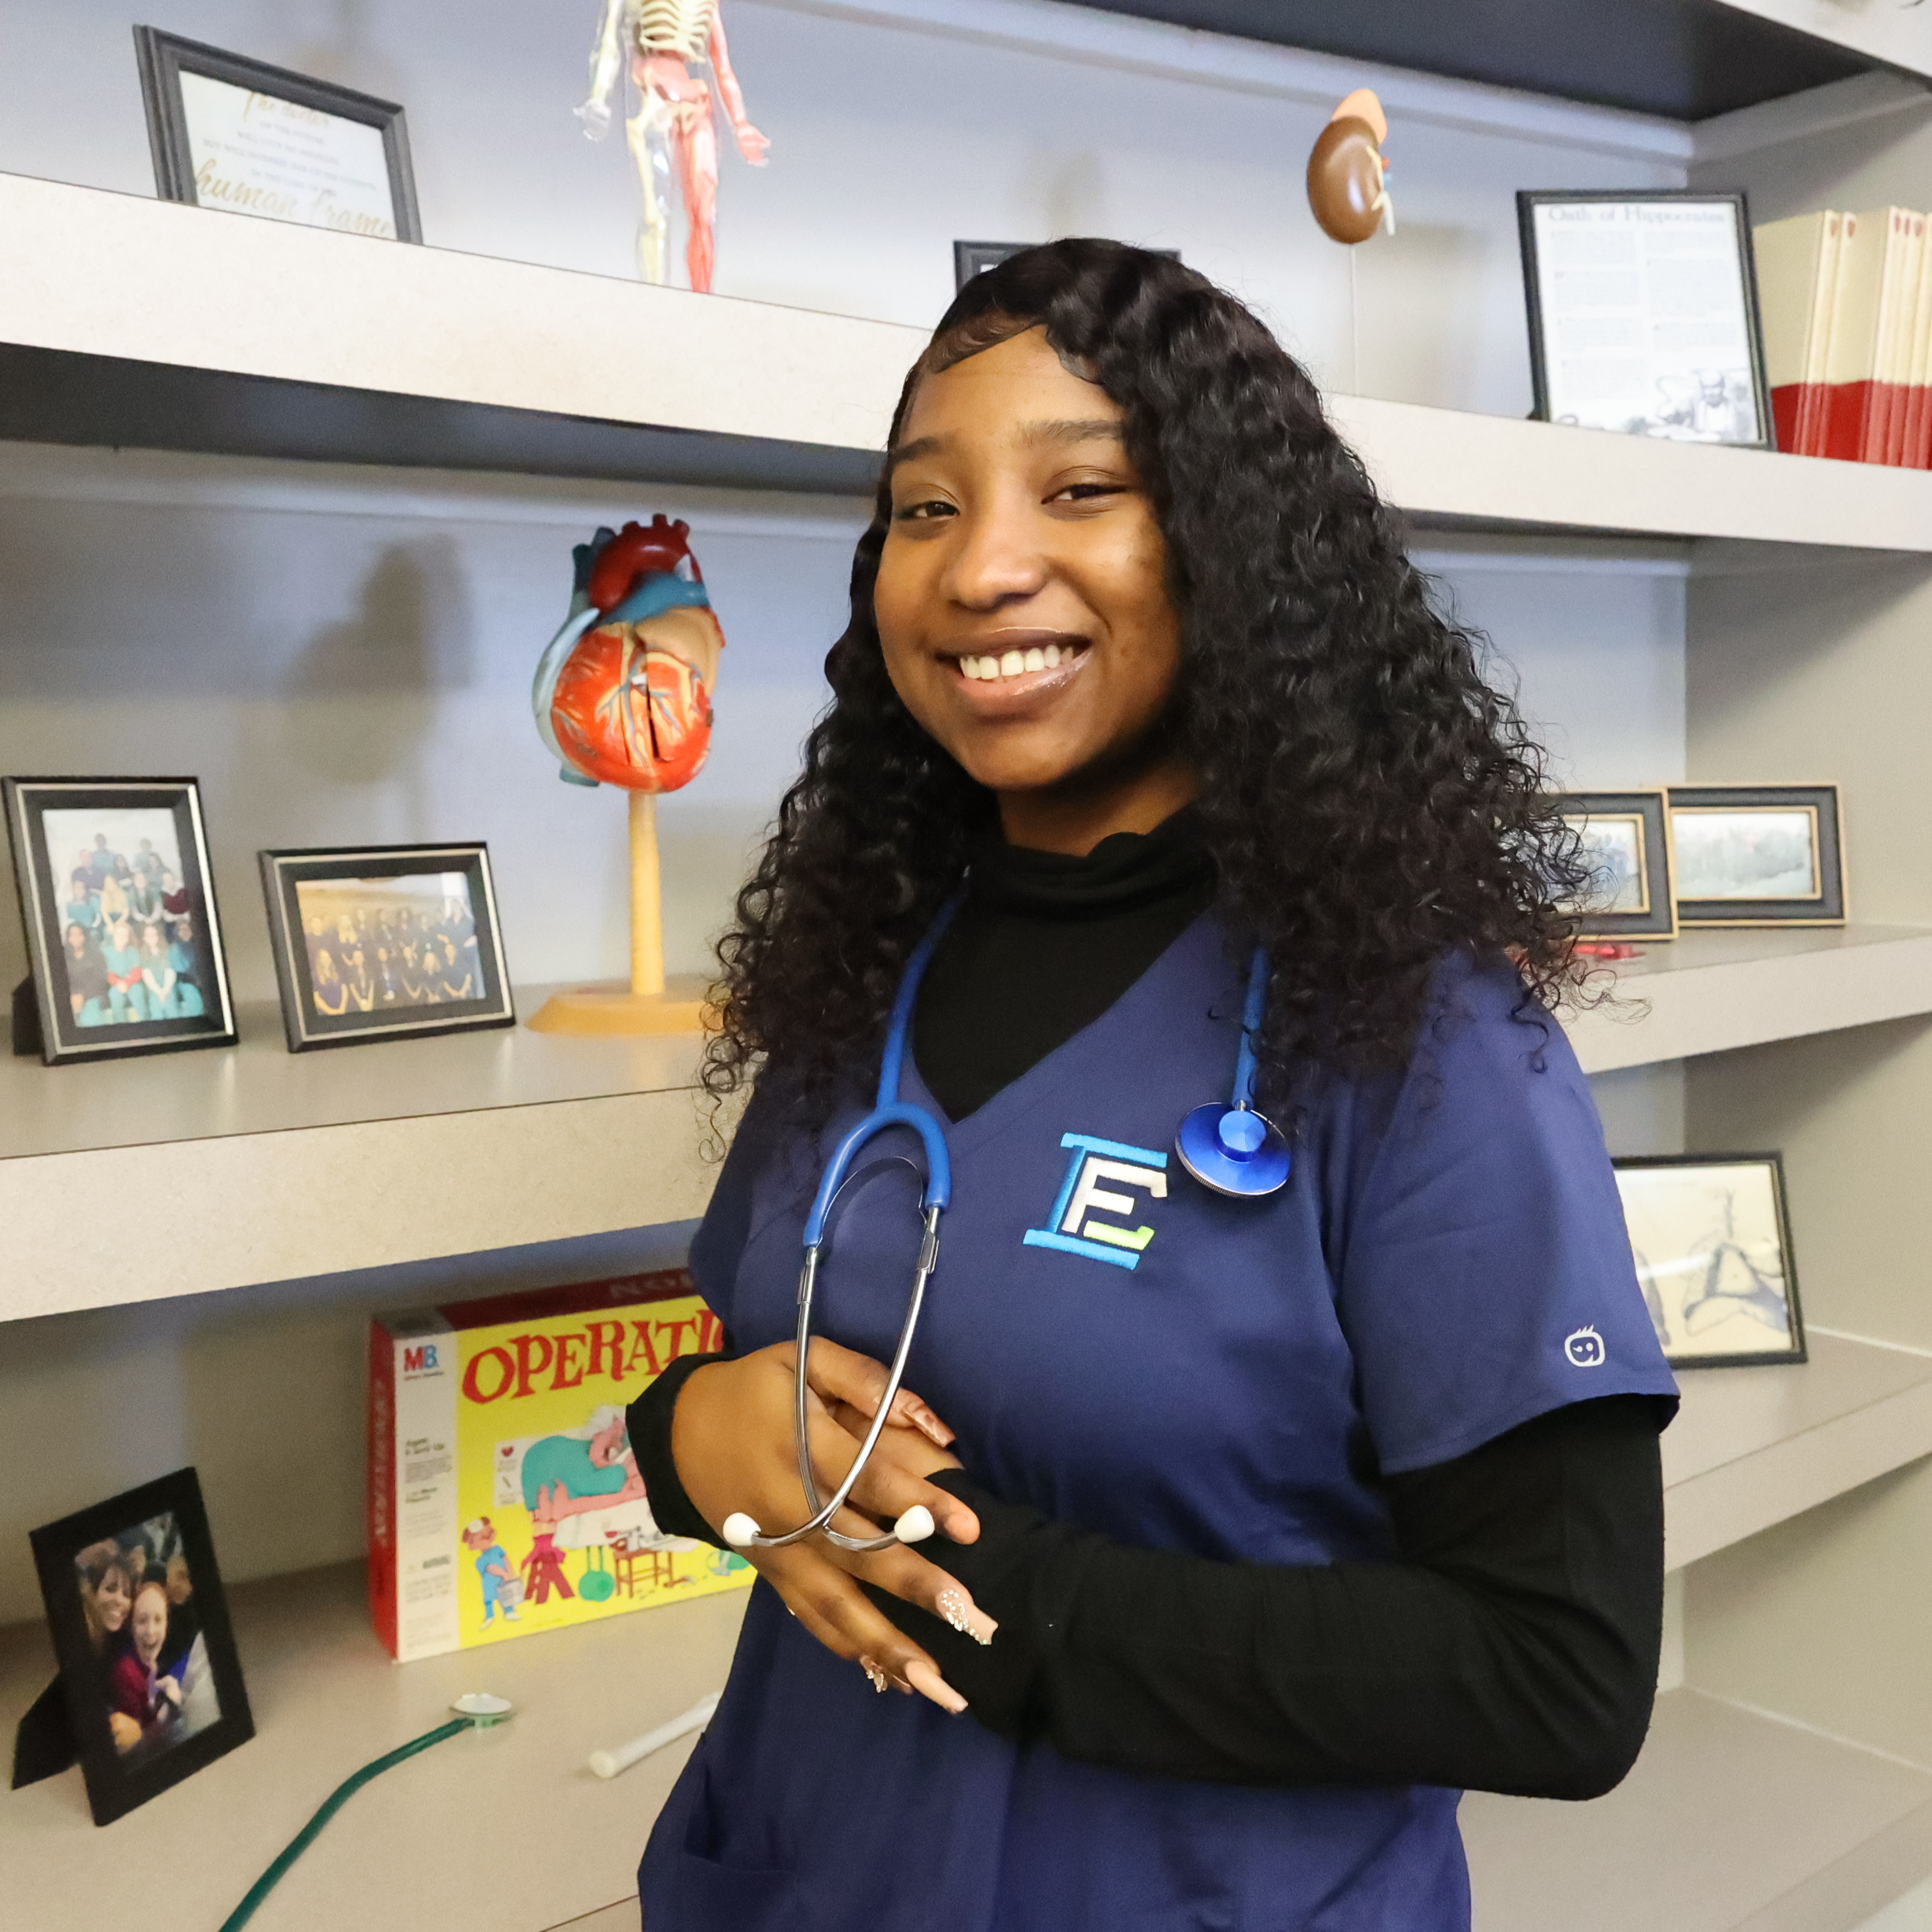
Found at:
(150, 1622)
(111, 1600)
(1021, 598)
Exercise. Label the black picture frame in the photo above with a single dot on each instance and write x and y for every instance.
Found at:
(1645, 815)
(38, 811)
(1548, 402)
(975, 258)
(398, 1006)
(208, 1715)
(163, 57)
(1670, 1289)
(1826, 906)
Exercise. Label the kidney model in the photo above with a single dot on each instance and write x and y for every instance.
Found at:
(1347, 188)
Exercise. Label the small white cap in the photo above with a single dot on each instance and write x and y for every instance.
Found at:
(740, 1531)
(482, 1704)
(604, 1764)
(916, 1526)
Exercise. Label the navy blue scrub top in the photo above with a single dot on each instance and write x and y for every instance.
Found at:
(1120, 1348)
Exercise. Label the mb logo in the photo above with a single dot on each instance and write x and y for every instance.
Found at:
(1096, 1175)
(419, 1361)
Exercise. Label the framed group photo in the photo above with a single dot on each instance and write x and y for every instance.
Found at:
(1643, 314)
(117, 898)
(1712, 1244)
(1624, 837)
(1758, 855)
(231, 133)
(384, 942)
(149, 1677)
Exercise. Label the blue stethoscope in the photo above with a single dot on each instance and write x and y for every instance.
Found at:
(1234, 1149)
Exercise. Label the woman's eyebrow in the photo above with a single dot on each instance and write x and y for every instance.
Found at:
(1029, 435)
(1089, 429)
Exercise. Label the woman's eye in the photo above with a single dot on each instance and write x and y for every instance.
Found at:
(922, 512)
(1085, 492)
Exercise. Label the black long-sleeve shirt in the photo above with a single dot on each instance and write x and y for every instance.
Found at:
(1511, 1645)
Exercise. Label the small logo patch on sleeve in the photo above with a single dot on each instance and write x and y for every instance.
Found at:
(1584, 1349)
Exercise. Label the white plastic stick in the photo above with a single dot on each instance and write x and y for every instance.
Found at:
(609, 1763)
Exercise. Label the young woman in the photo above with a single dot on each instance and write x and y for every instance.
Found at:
(1269, 1522)
(141, 1691)
(159, 979)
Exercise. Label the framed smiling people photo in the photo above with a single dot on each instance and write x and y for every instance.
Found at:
(150, 1689)
(124, 943)
(231, 133)
(385, 943)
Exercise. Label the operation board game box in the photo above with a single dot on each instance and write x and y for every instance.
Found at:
(503, 1496)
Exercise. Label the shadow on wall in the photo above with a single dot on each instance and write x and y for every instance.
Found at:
(362, 693)
(1422, 268)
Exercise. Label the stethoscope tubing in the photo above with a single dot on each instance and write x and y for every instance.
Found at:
(1241, 1175)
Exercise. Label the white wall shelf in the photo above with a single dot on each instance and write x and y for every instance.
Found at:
(257, 1165)
(504, 1831)
(250, 1164)
(1729, 1821)
(1711, 991)
(336, 347)
(1751, 1447)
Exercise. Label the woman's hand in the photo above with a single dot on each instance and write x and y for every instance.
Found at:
(732, 1439)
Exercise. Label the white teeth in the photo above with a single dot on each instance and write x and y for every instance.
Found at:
(1036, 659)
(969, 667)
(1012, 663)
(1051, 657)
(1015, 663)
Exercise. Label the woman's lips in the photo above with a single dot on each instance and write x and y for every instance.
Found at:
(1016, 666)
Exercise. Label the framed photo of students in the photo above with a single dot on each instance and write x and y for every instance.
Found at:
(118, 899)
(148, 1674)
(1757, 855)
(231, 133)
(1712, 1244)
(1625, 839)
(387, 943)
(1643, 314)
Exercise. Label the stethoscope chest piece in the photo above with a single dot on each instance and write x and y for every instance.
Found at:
(1235, 1150)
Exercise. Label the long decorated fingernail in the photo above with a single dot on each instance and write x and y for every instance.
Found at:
(875, 1675)
(928, 1682)
(966, 1616)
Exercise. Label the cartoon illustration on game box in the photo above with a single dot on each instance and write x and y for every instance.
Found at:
(505, 1497)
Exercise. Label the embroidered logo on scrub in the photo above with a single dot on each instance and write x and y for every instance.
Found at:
(1585, 1348)
(1075, 1227)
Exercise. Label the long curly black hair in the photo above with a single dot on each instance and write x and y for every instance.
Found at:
(1370, 803)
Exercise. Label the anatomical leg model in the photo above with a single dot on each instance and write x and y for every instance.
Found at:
(673, 132)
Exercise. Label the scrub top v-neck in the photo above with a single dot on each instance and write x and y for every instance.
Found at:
(1121, 1348)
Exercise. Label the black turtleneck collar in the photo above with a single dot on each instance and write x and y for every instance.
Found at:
(1044, 945)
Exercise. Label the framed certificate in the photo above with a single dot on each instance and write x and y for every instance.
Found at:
(228, 132)
(1643, 314)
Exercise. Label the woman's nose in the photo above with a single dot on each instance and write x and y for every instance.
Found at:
(997, 559)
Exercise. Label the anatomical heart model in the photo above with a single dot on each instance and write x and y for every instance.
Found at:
(667, 45)
(622, 697)
(1346, 171)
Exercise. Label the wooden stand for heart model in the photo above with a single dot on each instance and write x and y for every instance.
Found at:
(651, 1003)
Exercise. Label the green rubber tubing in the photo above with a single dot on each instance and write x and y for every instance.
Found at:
(332, 1804)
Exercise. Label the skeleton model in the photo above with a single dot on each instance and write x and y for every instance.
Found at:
(673, 126)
